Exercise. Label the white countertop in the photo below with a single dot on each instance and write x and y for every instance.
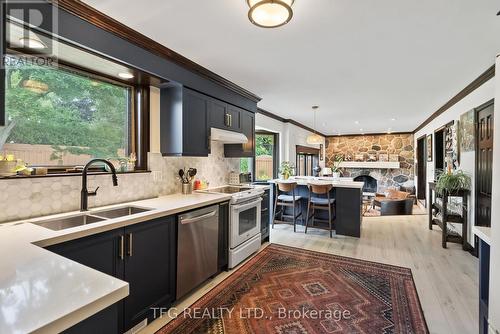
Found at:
(43, 292)
(343, 182)
(483, 233)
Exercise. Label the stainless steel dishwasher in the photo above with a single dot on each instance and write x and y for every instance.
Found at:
(197, 248)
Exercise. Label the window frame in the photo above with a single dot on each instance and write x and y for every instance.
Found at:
(276, 155)
(138, 114)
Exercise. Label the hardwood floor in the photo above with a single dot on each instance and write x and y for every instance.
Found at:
(446, 279)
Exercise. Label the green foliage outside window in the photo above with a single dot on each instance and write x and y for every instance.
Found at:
(71, 112)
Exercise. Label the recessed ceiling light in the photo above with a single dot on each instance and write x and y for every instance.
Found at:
(393, 119)
(361, 129)
(356, 122)
(125, 75)
(32, 43)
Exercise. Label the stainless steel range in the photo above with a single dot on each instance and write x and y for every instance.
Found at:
(244, 221)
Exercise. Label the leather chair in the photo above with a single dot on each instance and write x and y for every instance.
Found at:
(396, 207)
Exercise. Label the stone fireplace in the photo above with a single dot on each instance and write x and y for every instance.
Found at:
(370, 183)
(376, 145)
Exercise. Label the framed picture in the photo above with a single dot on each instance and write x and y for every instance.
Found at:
(466, 135)
(383, 157)
(359, 157)
(429, 147)
(320, 152)
(372, 157)
(394, 157)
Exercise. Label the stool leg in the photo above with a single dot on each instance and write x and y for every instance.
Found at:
(313, 214)
(274, 212)
(307, 217)
(330, 218)
(294, 218)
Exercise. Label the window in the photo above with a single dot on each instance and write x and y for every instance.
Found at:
(266, 156)
(60, 117)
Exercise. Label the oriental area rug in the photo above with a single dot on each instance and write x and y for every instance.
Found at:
(293, 291)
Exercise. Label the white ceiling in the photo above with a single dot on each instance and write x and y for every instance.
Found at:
(360, 60)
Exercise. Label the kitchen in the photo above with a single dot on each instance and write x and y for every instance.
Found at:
(139, 186)
(117, 224)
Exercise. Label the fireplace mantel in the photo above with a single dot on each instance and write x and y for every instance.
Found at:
(370, 164)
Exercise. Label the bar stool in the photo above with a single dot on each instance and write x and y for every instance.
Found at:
(285, 200)
(320, 203)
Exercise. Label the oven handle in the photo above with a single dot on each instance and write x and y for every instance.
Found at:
(198, 218)
(246, 205)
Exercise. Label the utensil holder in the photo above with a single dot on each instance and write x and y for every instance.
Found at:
(187, 188)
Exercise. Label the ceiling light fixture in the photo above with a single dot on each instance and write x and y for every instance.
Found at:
(32, 43)
(270, 13)
(314, 139)
(125, 75)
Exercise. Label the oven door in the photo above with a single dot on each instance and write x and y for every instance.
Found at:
(244, 221)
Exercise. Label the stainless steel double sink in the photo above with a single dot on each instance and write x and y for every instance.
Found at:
(86, 218)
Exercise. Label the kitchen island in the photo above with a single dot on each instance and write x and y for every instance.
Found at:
(348, 196)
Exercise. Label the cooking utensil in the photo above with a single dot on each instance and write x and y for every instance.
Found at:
(192, 172)
(182, 175)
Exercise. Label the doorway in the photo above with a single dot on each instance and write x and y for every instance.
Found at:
(484, 163)
(422, 169)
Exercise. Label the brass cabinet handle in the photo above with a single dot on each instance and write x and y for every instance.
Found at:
(121, 251)
(130, 242)
(230, 120)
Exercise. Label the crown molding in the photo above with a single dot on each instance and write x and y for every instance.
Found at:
(107, 23)
(476, 83)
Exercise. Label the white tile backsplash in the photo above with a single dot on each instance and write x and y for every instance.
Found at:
(31, 197)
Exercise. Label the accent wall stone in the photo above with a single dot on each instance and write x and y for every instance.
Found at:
(400, 144)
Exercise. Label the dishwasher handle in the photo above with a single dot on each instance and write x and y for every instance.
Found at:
(197, 218)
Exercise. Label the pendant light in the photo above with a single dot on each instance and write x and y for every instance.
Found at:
(270, 13)
(314, 139)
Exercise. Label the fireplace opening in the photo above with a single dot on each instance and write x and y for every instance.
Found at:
(370, 183)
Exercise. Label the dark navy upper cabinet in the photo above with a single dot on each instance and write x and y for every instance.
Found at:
(184, 122)
(224, 116)
(186, 119)
(144, 255)
(247, 120)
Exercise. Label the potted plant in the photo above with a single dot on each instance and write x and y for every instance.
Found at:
(336, 169)
(452, 181)
(286, 169)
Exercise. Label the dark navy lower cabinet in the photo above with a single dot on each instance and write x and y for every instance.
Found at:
(223, 250)
(144, 255)
(265, 217)
(484, 285)
(150, 258)
(100, 252)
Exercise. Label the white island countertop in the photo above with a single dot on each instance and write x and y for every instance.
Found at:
(483, 233)
(43, 292)
(342, 182)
